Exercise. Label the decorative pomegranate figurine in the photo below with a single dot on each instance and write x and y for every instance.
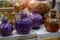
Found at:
(42, 6)
(32, 4)
(23, 24)
(6, 28)
(51, 23)
(36, 18)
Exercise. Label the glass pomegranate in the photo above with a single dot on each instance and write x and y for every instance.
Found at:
(23, 24)
(6, 28)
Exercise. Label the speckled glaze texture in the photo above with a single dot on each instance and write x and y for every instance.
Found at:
(6, 28)
(37, 20)
(23, 25)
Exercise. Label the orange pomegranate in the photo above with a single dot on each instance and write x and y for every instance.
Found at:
(51, 25)
(32, 5)
(42, 6)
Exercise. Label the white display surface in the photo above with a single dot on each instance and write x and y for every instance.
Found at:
(15, 36)
(42, 30)
(42, 33)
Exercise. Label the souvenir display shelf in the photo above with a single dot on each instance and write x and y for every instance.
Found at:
(40, 34)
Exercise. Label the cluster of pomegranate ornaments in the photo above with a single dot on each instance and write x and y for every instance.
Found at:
(30, 4)
(43, 6)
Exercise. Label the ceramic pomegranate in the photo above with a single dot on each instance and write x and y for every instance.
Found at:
(37, 19)
(23, 24)
(32, 4)
(6, 28)
(51, 25)
(42, 6)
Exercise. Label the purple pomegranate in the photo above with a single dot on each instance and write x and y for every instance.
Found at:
(24, 24)
(6, 28)
(36, 18)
